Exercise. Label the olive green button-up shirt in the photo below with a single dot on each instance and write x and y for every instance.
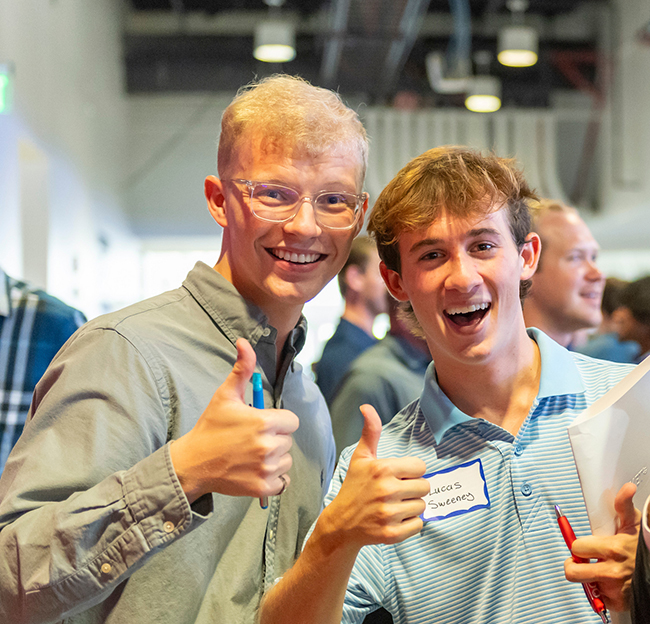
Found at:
(94, 525)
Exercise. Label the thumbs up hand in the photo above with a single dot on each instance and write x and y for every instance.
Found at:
(616, 554)
(380, 500)
(235, 449)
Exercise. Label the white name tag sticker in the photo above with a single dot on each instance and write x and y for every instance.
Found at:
(455, 491)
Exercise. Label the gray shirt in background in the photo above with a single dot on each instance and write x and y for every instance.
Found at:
(388, 376)
(94, 525)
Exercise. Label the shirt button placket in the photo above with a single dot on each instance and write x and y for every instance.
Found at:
(271, 537)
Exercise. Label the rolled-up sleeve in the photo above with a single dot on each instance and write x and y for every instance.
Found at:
(89, 493)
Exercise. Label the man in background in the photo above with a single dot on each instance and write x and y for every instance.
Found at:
(567, 288)
(387, 376)
(606, 344)
(33, 327)
(365, 297)
(133, 493)
(634, 315)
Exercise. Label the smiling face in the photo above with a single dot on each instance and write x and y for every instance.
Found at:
(280, 266)
(461, 275)
(568, 287)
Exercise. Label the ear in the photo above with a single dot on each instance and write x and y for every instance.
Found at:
(393, 282)
(353, 277)
(216, 198)
(530, 255)
(364, 209)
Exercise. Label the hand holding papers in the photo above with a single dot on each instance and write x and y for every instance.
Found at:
(611, 447)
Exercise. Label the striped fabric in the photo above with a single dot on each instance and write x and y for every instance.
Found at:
(497, 565)
(33, 327)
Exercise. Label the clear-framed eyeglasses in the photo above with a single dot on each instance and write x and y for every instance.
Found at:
(335, 210)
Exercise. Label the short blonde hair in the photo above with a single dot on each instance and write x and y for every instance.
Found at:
(542, 208)
(288, 113)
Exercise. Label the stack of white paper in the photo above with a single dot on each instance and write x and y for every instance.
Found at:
(611, 446)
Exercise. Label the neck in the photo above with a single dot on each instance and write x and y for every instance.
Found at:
(533, 317)
(359, 315)
(282, 316)
(500, 392)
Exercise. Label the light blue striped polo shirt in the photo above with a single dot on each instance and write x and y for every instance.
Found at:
(503, 564)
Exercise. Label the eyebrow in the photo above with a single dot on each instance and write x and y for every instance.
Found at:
(426, 242)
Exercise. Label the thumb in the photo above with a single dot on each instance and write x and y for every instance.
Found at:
(627, 515)
(367, 446)
(235, 383)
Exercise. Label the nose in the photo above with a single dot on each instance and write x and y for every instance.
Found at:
(462, 275)
(594, 274)
(304, 222)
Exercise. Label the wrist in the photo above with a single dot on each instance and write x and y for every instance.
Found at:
(331, 535)
(191, 486)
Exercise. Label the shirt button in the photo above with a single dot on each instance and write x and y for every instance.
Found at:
(526, 489)
(266, 333)
(518, 450)
(106, 568)
(168, 526)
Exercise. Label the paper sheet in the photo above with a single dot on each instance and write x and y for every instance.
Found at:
(611, 446)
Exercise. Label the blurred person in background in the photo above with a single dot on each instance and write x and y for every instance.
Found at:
(605, 344)
(388, 376)
(633, 316)
(365, 297)
(33, 327)
(132, 495)
(568, 286)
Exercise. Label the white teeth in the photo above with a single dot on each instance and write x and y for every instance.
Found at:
(468, 309)
(294, 257)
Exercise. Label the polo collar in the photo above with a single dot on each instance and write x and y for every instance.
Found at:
(559, 376)
(5, 299)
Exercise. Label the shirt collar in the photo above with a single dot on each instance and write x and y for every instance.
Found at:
(559, 376)
(235, 315)
(5, 300)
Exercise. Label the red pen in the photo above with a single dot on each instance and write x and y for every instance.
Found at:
(591, 589)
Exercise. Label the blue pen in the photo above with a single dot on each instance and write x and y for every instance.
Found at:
(258, 402)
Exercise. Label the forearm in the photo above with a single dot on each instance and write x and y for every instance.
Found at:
(64, 557)
(313, 590)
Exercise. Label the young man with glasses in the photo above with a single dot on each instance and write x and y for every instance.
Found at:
(133, 494)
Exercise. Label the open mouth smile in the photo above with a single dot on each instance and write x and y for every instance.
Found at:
(464, 316)
(296, 258)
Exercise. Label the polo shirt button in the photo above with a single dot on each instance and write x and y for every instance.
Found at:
(266, 333)
(106, 568)
(518, 450)
(168, 526)
(526, 489)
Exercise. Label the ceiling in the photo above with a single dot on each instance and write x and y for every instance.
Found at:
(371, 49)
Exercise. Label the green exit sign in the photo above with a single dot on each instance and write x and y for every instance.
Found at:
(6, 79)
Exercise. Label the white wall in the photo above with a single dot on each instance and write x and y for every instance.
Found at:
(625, 220)
(172, 148)
(67, 125)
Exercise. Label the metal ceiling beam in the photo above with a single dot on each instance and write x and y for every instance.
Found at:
(573, 26)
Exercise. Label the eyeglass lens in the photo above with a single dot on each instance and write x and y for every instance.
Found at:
(278, 203)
